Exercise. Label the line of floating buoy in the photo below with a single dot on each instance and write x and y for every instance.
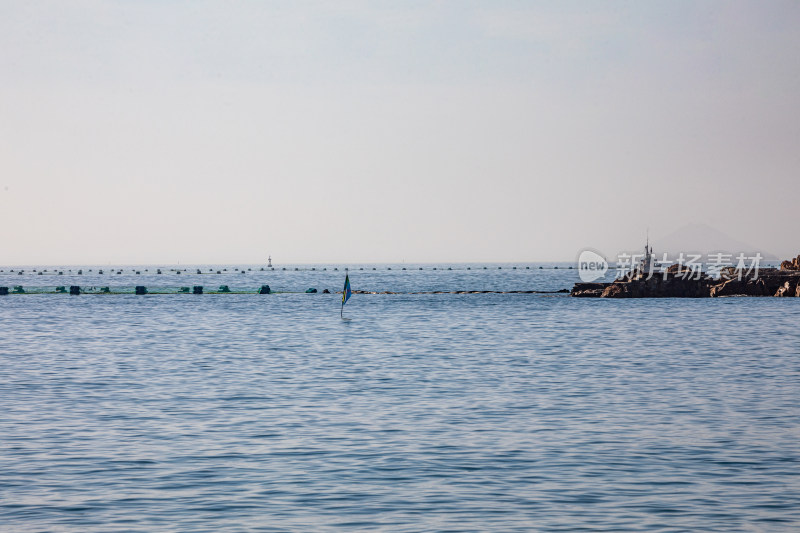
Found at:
(197, 271)
(76, 290)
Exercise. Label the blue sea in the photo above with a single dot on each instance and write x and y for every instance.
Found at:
(416, 412)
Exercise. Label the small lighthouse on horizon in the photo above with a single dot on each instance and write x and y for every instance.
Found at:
(269, 262)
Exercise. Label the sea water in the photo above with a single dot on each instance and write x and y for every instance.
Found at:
(417, 412)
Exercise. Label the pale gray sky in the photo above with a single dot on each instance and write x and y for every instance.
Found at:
(152, 132)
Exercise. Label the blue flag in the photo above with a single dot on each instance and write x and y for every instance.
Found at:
(345, 292)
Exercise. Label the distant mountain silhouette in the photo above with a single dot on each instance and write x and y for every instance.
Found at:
(703, 239)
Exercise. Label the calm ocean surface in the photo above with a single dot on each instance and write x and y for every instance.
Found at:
(445, 412)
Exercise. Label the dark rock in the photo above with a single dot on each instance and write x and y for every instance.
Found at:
(740, 287)
(769, 281)
(792, 264)
(789, 288)
(661, 286)
(588, 290)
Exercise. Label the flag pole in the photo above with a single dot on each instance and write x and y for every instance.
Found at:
(345, 294)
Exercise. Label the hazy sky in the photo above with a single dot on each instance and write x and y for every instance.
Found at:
(159, 131)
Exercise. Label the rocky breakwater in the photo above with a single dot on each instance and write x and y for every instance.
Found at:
(678, 282)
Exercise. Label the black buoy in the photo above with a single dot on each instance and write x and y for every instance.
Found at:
(198, 271)
(218, 272)
(264, 289)
(3, 291)
(140, 289)
(325, 291)
(74, 290)
(39, 274)
(157, 271)
(197, 289)
(178, 272)
(80, 272)
(243, 272)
